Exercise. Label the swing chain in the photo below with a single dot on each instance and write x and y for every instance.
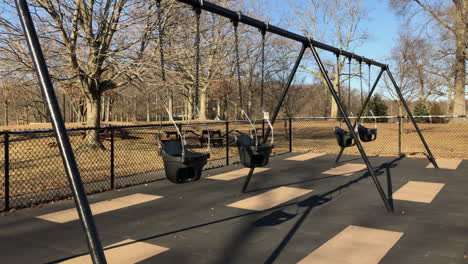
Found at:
(263, 66)
(360, 78)
(236, 44)
(161, 44)
(197, 58)
(349, 85)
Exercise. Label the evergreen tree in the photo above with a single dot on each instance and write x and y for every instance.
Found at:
(378, 107)
(420, 109)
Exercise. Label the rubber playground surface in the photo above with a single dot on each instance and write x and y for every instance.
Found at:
(302, 208)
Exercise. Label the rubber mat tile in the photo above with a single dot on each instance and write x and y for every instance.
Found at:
(124, 252)
(346, 169)
(306, 156)
(416, 191)
(100, 207)
(354, 245)
(235, 174)
(270, 199)
(449, 164)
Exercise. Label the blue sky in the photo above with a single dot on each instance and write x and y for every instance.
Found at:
(382, 26)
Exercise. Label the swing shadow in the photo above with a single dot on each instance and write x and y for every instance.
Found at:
(316, 200)
(276, 217)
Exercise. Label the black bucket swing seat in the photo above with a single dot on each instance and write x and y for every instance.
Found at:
(253, 154)
(182, 164)
(344, 138)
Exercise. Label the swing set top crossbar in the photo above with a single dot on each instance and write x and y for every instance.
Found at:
(265, 26)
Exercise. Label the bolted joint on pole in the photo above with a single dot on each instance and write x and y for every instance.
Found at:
(235, 21)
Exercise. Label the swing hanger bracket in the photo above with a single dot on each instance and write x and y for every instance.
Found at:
(265, 29)
(236, 20)
(338, 53)
(197, 8)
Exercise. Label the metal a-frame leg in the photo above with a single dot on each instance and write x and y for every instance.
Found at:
(339, 155)
(430, 157)
(50, 99)
(247, 180)
(278, 107)
(350, 127)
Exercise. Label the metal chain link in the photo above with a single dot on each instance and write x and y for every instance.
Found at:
(197, 62)
(360, 78)
(349, 86)
(263, 70)
(236, 43)
(338, 75)
(161, 44)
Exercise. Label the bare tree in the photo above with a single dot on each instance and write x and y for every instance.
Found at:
(452, 18)
(336, 22)
(102, 43)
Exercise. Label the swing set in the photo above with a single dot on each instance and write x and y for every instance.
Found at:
(255, 153)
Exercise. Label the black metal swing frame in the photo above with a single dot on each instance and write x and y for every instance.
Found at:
(66, 151)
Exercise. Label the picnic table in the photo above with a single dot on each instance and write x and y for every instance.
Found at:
(105, 133)
(216, 138)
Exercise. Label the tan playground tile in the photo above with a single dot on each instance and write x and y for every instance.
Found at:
(235, 174)
(450, 164)
(422, 192)
(306, 156)
(270, 199)
(347, 169)
(100, 207)
(124, 252)
(354, 245)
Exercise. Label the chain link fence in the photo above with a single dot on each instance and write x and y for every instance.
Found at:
(32, 169)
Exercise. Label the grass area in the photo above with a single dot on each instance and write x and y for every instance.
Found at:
(35, 166)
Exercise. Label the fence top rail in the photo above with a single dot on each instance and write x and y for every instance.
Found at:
(182, 123)
(265, 26)
(382, 117)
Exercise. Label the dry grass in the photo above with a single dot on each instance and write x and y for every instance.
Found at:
(445, 140)
(36, 167)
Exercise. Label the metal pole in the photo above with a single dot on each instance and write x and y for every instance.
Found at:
(112, 160)
(247, 180)
(350, 127)
(285, 91)
(227, 143)
(339, 155)
(71, 168)
(403, 101)
(290, 135)
(262, 25)
(7, 170)
(399, 135)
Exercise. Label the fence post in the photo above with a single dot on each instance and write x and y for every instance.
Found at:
(112, 160)
(290, 135)
(227, 143)
(7, 170)
(400, 128)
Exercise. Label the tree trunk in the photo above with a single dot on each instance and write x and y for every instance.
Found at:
(189, 111)
(460, 75)
(334, 106)
(6, 112)
(170, 103)
(202, 114)
(218, 109)
(148, 109)
(93, 110)
(134, 109)
(108, 109)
